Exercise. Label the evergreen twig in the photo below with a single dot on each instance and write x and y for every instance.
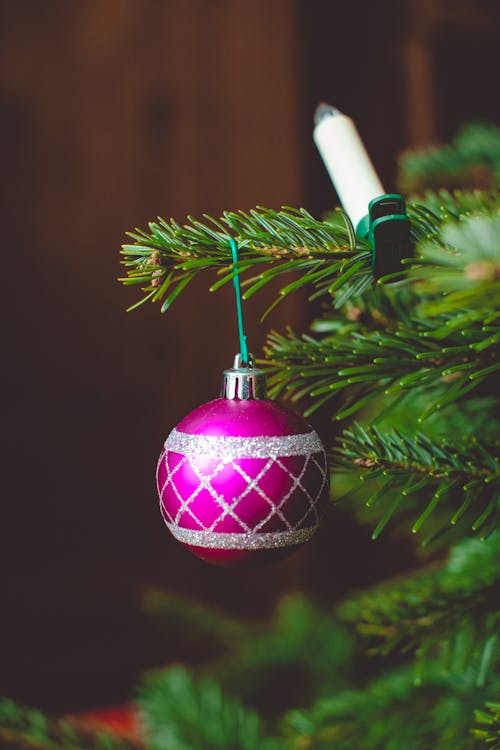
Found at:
(22, 728)
(391, 713)
(181, 713)
(487, 730)
(360, 363)
(471, 160)
(435, 614)
(462, 482)
(166, 258)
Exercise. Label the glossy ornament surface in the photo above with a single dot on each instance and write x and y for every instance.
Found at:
(242, 481)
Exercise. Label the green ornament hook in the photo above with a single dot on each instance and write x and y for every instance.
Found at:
(239, 306)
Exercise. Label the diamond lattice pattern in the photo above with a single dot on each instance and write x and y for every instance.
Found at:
(243, 494)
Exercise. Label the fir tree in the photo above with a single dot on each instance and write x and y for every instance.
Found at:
(408, 366)
(413, 360)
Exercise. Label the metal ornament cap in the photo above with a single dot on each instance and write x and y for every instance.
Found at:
(244, 381)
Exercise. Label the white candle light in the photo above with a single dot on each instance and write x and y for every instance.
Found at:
(346, 161)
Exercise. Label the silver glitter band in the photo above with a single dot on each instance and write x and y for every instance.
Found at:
(251, 540)
(228, 448)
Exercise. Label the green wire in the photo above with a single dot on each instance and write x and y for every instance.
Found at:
(239, 306)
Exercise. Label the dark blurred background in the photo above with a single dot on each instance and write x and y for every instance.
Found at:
(113, 112)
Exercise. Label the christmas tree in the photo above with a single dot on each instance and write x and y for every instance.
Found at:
(405, 368)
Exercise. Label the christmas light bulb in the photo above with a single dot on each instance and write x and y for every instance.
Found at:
(346, 161)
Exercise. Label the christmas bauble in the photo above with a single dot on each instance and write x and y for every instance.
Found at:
(241, 479)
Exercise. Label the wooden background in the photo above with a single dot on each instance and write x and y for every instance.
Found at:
(112, 112)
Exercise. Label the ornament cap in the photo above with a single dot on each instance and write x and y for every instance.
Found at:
(244, 381)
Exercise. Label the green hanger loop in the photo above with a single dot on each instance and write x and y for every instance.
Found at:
(239, 306)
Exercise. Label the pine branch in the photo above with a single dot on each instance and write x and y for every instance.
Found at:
(181, 713)
(325, 254)
(29, 728)
(391, 713)
(461, 277)
(451, 614)
(471, 160)
(451, 205)
(461, 483)
(488, 731)
(166, 258)
(359, 363)
(440, 333)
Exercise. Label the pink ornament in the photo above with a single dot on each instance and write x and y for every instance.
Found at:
(242, 480)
